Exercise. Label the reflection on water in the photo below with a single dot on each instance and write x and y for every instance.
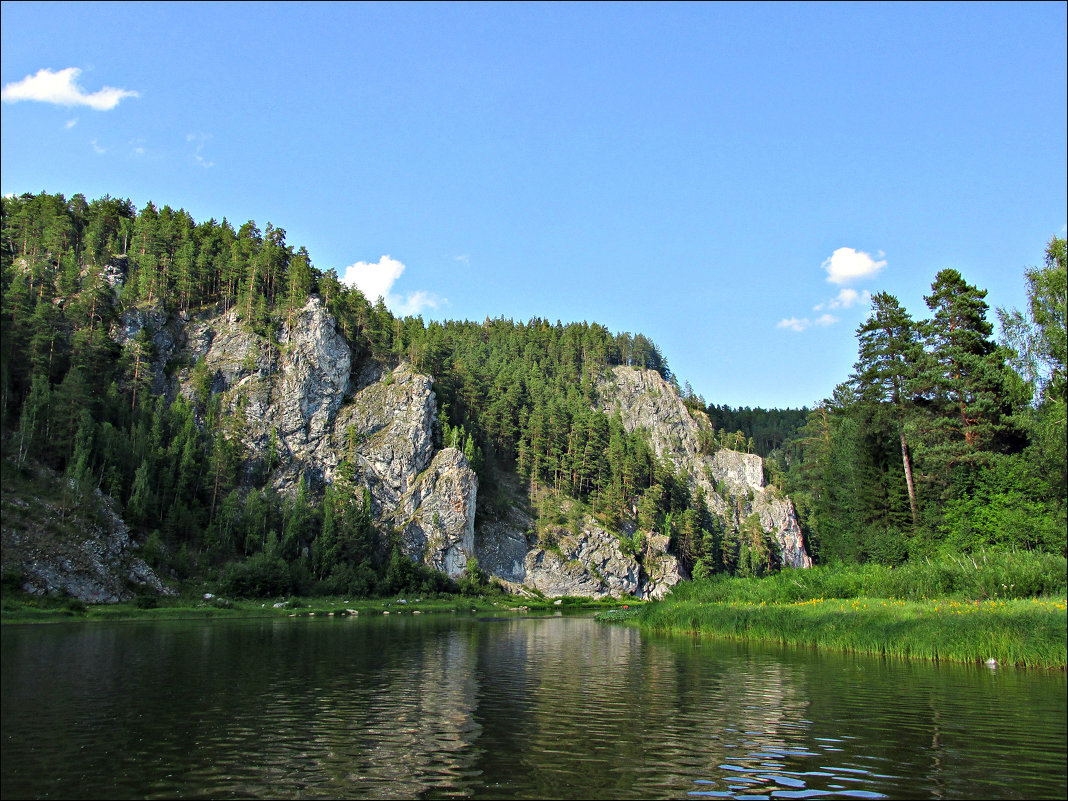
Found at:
(557, 707)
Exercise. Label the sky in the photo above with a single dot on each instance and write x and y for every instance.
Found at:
(731, 180)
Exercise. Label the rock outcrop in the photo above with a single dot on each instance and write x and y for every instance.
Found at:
(305, 409)
(436, 516)
(645, 401)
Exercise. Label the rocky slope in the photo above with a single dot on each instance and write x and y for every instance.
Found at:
(81, 549)
(305, 407)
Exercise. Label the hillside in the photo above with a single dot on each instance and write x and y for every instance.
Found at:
(258, 424)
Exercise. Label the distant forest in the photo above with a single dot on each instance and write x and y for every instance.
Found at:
(942, 438)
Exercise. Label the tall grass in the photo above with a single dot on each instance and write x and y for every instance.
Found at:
(1031, 632)
(1005, 606)
(989, 575)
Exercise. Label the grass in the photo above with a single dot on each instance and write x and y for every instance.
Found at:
(1010, 607)
(18, 607)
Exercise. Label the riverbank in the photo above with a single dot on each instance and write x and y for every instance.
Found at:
(23, 608)
(1029, 633)
(1009, 607)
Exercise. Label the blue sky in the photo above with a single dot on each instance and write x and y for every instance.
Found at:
(729, 180)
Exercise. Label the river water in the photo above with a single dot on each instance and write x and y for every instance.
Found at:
(553, 707)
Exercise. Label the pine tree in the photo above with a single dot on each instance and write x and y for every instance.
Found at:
(885, 372)
(964, 375)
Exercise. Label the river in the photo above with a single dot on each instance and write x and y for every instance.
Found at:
(438, 706)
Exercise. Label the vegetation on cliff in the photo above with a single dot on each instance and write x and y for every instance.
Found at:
(88, 288)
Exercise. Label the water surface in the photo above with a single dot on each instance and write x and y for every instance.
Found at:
(561, 707)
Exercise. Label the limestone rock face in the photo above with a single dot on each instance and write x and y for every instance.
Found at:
(645, 401)
(163, 333)
(502, 544)
(739, 471)
(436, 516)
(287, 393)
(99, 565)
(307, 412)
(389, 426)
(303, 408)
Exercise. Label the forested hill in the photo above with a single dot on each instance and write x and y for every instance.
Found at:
(87, 385)
(942, 438)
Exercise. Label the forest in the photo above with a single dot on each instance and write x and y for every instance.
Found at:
(942, 438)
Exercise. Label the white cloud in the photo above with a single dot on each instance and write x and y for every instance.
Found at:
(846, 265)
(376, 279)
(97, 147)
(463, 258)
(71, 123)
(794, 324)
(61, 88)
(844, 299)
(414, 303)
(802, 323)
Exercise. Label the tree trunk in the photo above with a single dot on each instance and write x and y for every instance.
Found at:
(907, 460)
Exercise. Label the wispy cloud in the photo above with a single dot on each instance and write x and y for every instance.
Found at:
(376, 279)
(802, 323)
(71, 123)
(463, 258)
(198, 155)
(847, 265)
(61, 88)
(97, 148)
(844, 299)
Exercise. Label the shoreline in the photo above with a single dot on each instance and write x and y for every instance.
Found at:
(32, 610)
(1029, 633)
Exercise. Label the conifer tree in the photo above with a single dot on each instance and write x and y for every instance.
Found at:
(885, 372)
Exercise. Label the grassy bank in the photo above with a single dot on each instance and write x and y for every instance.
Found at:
(1006, 607)
(23, 608)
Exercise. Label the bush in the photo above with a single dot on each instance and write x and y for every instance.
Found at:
(259, 576)
(76, 606)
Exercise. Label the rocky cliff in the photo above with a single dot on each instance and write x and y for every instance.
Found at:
(304, 408)
(732, 482)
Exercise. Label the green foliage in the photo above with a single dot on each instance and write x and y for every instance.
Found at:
(260, 576)
(933, 442)
(1004, 505)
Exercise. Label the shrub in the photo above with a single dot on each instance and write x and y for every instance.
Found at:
(258, 576)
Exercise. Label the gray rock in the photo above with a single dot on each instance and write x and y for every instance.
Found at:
(436, 516)
(645, 401)
(304, 409)
(588, 564)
